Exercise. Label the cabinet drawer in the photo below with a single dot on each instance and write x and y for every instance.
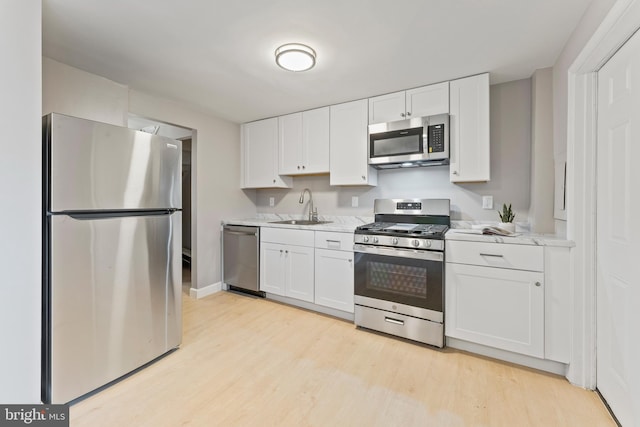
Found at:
(287, 236)
(518, 257)
(334, 240)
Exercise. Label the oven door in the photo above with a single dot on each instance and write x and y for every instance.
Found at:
(413, 278)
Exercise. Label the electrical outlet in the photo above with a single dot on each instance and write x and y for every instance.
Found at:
(354, 201)
(272, 201)
(487, 202)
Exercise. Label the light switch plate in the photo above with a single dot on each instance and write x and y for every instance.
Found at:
(487, 202)
(272, 201)
(354, 201)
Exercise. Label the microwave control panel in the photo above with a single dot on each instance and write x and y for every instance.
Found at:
(435, 138)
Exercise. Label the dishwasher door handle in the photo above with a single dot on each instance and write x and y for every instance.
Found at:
(240, 233)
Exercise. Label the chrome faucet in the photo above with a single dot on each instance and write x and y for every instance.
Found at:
(313, 213)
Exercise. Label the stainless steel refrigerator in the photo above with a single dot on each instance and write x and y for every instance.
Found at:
(112, 272)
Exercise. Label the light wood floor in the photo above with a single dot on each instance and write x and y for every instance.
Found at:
(250, 362)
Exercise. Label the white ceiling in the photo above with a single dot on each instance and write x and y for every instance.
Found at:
(218, 55)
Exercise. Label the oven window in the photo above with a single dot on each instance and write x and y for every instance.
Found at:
(398, 279)
(409, 281)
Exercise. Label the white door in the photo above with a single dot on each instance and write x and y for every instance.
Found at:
(618, 233)
(315, 134)
(272, 269)
(299, 272)
(387, 108)
(428, 100)
(497, 307)
(334, 279)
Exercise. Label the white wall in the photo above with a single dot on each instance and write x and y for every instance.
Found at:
(70, 91)
(20, 228)
(589, 22)
(510, 172)
(215, 170)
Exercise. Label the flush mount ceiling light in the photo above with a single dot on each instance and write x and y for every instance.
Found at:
(295, 57)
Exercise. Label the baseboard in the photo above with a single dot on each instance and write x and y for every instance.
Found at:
(508, 356)
(206, 291)
(311, 306)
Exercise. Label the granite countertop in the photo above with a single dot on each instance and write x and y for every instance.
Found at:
(518, 239)
(345, 224)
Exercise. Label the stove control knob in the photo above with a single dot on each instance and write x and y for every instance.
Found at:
(365, 239)
(375, 240)
(427, 243)
(394, 241)
(416, 243)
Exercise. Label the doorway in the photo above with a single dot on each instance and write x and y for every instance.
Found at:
(186, 136)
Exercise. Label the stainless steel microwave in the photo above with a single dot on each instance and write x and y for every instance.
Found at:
(421, 141)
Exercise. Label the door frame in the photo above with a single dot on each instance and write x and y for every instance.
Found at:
(622, 21)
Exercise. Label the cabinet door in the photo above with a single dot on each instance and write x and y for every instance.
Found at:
(496, 307)
(260, 155)
(315, 135)
(387, 108)
(469, 129)
(334, 279)
(272, 268)
(290, 144)
(349, 142)
(299, 272)
(428, 100)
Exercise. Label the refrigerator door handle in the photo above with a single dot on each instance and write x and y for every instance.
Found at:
(86, 216)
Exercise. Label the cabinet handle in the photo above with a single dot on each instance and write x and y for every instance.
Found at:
(363, 177)
(280, 250)
(455, 172)
(274, 181)
(538, 284)
(394, 321)
(350, 260)
(402, 114)
(408, 113)
(303, 166)
(298, 167)
(493, 255)
(286, 252)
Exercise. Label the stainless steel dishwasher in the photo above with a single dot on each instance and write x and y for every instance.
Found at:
(241, 258)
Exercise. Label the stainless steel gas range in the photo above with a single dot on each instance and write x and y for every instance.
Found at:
(399, 269)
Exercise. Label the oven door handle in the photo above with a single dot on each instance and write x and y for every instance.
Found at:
(397, 252)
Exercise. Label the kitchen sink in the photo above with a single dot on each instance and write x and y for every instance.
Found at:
(299, 222)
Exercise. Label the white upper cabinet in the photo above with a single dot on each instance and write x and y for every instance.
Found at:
(419, 102)
(349, 154)
(469, 129)
(304, 142)
(387, 108)
(260, 155)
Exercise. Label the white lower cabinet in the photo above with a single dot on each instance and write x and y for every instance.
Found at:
(334, 279)
(287, 263)
(310, 266)
(497, 307)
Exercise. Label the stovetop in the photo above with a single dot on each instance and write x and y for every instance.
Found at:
(430, 231)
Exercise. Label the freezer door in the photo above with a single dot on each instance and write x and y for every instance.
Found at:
(115, 299)
(97, 166)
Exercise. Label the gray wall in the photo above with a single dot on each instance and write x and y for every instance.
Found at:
(542, 177)
(510, 172)
(20, 186)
